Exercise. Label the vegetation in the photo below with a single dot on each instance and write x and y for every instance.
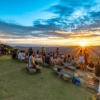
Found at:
(17, 84)
(5, 49)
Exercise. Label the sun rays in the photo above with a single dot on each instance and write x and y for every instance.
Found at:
(83, 44)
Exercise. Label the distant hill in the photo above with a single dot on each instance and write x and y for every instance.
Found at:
(5, 46)
(5, 49)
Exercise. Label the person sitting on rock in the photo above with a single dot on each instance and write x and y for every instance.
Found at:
(97, 69)
(90, 66)
(73, 62)
(37, 54)
(32, 63)
(68, 61)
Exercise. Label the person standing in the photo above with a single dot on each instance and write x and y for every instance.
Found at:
(57, 52)
(81, 60)
(43, 54)
(43, 49)
(86, 57)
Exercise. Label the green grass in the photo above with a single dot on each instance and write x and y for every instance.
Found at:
(17, 84)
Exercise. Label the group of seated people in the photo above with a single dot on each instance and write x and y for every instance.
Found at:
(24, 55)
(71, 61)
(94, 68)
(29, 57)
(46, 58)
(52, 59)
(21, 55)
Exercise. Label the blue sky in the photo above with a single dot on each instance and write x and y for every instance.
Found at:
(24, 12)
(55, 21)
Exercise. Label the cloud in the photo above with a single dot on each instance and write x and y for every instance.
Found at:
(12, 30)
(71, 19)
(71, 15)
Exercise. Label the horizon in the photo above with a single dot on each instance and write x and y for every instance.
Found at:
(55, 46)
(50, 23)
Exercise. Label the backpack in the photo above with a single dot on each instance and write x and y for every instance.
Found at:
(76, 81)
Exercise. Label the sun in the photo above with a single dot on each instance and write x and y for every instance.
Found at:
(83, 44)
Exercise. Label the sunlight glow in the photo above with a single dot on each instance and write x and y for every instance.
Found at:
(83, 44)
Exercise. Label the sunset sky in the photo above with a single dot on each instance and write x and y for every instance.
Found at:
(50, 22)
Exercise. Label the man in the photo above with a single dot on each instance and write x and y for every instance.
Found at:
(90, 66)
(47, 59)
(97, 73)
(32, 63)
(97, 69)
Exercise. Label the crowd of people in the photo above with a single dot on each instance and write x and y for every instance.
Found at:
(81, 61)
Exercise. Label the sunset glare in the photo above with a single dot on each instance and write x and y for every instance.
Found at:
(83, 44)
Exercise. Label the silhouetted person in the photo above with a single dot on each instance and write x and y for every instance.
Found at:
(86, 57)
(47, 59)
(57, 52)
(97, 69)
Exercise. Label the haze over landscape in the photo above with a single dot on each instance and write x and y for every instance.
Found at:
(50, 22)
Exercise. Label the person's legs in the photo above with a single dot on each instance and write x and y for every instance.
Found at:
(80, 64)
(67, 64)
(82, 67)
(85, 67)
(38, 69)
(42, 59)
(90, 69)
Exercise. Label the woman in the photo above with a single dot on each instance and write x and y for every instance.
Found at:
(81, 60)
(68, 61)
(32, 63)
(22, 55)
(43, 57)
(86, 57)
(73, 62)
(38, 54)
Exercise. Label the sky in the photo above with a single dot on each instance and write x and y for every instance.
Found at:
(50, 22)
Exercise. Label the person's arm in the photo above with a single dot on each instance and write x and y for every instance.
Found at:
(33, 63)
(93, 66)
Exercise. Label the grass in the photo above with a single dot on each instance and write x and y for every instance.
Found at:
(17, 84)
